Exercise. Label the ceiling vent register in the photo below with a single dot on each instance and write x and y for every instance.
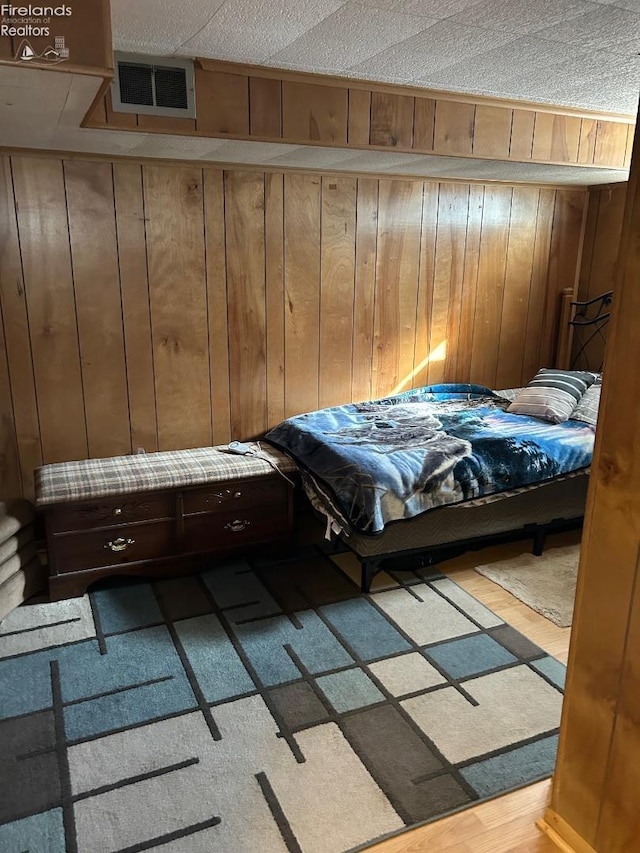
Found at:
(152, 85)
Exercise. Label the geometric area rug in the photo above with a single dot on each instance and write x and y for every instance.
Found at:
(262, 706)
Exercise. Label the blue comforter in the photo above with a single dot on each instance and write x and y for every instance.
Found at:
(397, 457)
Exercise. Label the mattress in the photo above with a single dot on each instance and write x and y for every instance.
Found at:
(561, 499)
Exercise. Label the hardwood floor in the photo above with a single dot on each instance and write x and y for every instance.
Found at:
(506, 824)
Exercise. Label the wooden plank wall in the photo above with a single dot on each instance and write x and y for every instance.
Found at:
(603, 229)
(594, 803)
(274, 105)
(168, 306)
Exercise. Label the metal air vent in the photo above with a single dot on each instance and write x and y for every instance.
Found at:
(153, 85)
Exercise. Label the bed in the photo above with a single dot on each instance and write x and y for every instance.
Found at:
(438, 470)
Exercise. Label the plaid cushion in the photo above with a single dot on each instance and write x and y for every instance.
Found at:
(118, 475)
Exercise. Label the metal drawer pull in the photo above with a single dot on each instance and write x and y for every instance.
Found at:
(117, 510)
(237, 525)
(119, 544)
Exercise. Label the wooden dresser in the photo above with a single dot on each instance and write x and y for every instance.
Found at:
(158, 531)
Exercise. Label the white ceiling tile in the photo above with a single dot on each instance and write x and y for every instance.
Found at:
(95, 141)
(384, 160)
(24, 130)
(493, 70)
(242, 151)
(439, 9)
(38, 100)
(36, 79)
(522, 16)
(384, 5)
(158, 26)
(588, 78)
(312, 157)
(25, 76)
(368, 39)
(630, 5)
(351, 35)
(174, 147)
(435, 47)
(81, 94)
(252, 30)
(605, 27)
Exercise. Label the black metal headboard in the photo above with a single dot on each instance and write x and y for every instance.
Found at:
(588, 320)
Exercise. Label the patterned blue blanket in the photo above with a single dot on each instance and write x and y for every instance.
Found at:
(397, 457)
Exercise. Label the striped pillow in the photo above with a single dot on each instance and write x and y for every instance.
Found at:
(552, 394)
(587, 409)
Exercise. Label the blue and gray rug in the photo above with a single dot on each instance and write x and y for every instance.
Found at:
(262, 707)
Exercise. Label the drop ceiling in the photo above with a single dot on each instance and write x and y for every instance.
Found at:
(570, 52)
(567, 52)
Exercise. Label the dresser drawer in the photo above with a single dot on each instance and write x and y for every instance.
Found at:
(235, 495)
(225, 530)
(108, 512)
(76, 551)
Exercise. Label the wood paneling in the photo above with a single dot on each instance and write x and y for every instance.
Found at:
(217, 302)
(274, 284)
(124, 120)
(13, 307)
(517, 282)
(163, 124)
(211, 304)
(337, 285)
(428, 237)
(245, 102)
(453, 208)
(9, 462)
(564, 258)
(522, 134)
(602, 240)
(364, 286)
(532, 360)
(222, 103)
(177, 288)
(587, 146)
(94, 254)
(470, 280)
(398, 264)
(556, 138)
(594, 796)
(391, 120)
(53, 324)
(454, 127)
(424, 117)
(359, 117)
(492, 132)
(265, 107)
(490, 287)
(599, 257)
(136, 314)
(244, 218)
(301, 292)
(314, 113)
(611, 144)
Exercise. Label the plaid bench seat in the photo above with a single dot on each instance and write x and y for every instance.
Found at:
(117, 475)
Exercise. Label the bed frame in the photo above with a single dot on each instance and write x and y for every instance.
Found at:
(532, 513)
